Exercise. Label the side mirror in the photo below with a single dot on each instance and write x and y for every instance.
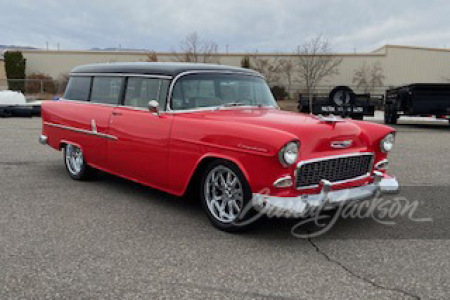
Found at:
(153, 107)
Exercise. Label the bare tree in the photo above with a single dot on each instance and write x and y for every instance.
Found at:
(368, 77)
(152, 57)
(288, 68)
(315, 62)
(194, 49)
(270, 68)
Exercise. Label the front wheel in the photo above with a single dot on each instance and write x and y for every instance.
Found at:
(225, 195)
(75, 163)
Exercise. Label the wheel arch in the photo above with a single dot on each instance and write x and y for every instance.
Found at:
(203, 163)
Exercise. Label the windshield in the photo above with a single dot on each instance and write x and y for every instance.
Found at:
(215, 90)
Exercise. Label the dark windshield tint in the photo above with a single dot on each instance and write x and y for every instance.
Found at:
(210, 90)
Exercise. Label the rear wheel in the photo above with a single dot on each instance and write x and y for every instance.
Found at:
(225, 194)
(75, 163)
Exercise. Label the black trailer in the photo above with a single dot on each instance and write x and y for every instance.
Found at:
(341, 101)
(419, 99)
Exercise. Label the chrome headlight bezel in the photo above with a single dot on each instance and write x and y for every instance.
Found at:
(387, 143)
(288, 155)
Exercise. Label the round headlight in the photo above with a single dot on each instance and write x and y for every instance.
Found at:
(387, 143)
(289, 154)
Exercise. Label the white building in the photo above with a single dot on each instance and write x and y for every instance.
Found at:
(401, 64)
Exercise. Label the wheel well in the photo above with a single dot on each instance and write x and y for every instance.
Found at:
(62, 145)
(194, 182)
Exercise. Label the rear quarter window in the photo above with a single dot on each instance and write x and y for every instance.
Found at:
(78, 89)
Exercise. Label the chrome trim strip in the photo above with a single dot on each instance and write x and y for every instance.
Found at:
(282, 179)
(380, 163)
(102, 135)
(89, 102)
(121, 75)
(300, 164)
(176, 78)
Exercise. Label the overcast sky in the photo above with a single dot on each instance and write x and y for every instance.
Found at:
(244, 25)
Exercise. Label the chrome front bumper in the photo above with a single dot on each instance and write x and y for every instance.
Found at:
(292, 207)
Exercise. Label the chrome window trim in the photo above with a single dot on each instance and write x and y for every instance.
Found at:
(141, 108)
(89, 102)
(179, 76)
(120, 75)
(300, 164)
(88, 132)
(174, 80)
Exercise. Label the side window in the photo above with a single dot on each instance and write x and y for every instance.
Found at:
(106, 90)
(194, 93)
(78, 88)
(141, 90)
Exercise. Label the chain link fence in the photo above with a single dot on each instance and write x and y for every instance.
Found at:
(35, 89)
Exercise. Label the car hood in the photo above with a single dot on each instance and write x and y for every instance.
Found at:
(315, 135)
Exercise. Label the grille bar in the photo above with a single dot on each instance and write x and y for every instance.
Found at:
(334, 169)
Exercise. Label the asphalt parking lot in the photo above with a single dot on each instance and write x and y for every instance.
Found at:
(111, 238)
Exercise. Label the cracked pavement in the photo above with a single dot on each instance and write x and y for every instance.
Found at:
(111, 238)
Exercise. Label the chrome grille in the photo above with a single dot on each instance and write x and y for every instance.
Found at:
(336, 169)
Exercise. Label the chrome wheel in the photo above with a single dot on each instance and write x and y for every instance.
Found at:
(224, 194)
(74, 159)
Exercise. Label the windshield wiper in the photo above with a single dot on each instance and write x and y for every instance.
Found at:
(231, 104)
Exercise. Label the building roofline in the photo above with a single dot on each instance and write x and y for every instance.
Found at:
(412, 47)
(376, 52)
(178, 53)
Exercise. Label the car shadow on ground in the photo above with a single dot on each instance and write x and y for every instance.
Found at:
(263, 229)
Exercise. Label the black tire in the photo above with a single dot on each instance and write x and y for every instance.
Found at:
(205, 184)
(390, 115)
(81, 172)
(342, 96)
(5, 113)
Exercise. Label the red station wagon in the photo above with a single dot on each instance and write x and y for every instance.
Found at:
(174, 126)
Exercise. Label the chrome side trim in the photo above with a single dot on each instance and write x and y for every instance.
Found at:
(300, 164)
(101, 135)
(294, 207)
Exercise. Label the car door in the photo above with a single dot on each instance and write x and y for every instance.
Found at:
(141, 150)
(85, 119)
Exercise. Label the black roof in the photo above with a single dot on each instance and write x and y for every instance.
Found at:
(168, 69)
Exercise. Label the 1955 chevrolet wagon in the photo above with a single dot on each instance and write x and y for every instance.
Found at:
(176, 126)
